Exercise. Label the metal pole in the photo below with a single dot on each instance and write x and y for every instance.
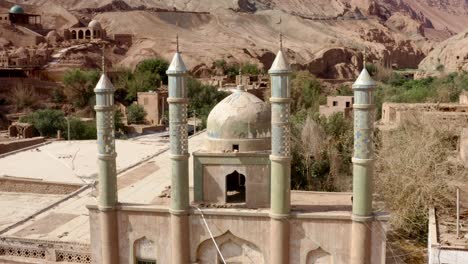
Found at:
(68, 128)
(458, 212)
(195, 120)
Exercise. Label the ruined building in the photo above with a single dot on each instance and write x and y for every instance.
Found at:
(85, 33)
(155, 105)
(17, 16)
(24, 58)
(337, 104)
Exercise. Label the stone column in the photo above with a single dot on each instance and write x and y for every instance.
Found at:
(179, 160)
(363, 168)
(280, 196)
(107, 169)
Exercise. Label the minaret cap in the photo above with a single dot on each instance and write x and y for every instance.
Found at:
(177, 64)
(364, 81)
(280, 64)
(104, 85)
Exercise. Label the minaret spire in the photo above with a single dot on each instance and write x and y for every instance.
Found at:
(281, 41)
(280, 159)
(103, 65)
(364, 55)
(179, 155)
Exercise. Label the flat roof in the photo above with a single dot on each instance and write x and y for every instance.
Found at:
(72, 161)
(141, 183)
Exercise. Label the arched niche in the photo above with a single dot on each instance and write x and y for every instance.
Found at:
(233, 249)
(73, 33)
(319, 256)
(144, 250)
(88, 34)
(80, 34)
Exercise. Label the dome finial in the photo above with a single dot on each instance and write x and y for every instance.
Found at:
(177, 42)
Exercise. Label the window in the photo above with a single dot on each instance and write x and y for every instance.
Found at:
(348, 104)
(335, 103)
(235, 147)
(145, 261)
(145, 101)
(235, 188)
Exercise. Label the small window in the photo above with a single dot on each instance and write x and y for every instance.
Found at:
(235, 147)
(335, 103)
(145, 101)
(348, 104)
(235, 188)
(145, 261)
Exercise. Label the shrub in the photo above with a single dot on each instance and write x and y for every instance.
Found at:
(413, 174)
(136, 114)
(322, 150)
(58, 96)
(24, 98)
(80, 130)
(250, 68)
(46, 121)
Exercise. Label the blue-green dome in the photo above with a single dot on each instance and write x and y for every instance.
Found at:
(16, 10)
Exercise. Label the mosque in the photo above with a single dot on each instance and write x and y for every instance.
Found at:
(241, 208)
(229, 200)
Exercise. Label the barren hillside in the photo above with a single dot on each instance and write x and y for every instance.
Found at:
(448, 56)
(325, 36)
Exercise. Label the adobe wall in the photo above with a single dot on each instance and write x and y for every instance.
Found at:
(10, 146)
(242, 235)
(8, 184)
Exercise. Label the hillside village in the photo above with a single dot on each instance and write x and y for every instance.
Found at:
(247, 131)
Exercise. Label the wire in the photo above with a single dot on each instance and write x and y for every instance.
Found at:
(211, 235)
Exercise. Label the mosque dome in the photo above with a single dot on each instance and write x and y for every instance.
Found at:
(94, 24)
(16, 9)
(239, 122)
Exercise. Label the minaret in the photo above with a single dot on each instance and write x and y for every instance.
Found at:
(107, 168)
(363, 167)
(179, 209)
(280, 158)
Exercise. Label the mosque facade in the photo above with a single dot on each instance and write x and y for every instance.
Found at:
(241, 208)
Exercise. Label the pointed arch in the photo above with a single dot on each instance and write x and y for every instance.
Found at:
(233, 248)
(319, 256)
(144, 249)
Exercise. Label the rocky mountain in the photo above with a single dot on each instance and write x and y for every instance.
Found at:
(326, 37)
(448, 56)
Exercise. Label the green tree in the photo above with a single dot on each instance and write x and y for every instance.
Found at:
(79, 86)
(306, 92)
(136, 114)
(157, 68)
(249, 68)
(202, 99)
(46, 121)
(148, 75)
